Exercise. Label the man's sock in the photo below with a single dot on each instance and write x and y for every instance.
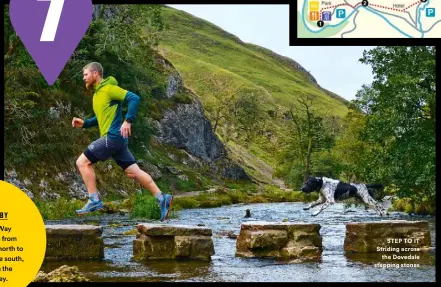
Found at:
(159, 196)
(94, 196)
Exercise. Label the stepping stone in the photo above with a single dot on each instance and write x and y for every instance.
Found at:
(165, 241)
(74, 242)
(378, 236)
(286, 240)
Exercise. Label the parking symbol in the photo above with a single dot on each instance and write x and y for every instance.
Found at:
(341, 13)
(326, 16)
(430, 12)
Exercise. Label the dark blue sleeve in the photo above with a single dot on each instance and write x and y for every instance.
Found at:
(90, 122)
(133, 102)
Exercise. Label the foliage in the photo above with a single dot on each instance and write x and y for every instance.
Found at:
(217, 66)
(400, 111)
(38, 117)
(308, 142)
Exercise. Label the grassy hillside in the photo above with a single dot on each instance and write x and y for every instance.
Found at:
(198, 48)
(201, 51)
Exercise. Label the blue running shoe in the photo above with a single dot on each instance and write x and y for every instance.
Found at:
(165, 205)
(90, 206)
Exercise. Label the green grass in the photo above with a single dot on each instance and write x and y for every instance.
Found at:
(200, 51)
(144, 205)
(226, 197)
(60, 208)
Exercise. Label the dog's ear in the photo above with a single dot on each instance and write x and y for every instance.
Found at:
(320, 182)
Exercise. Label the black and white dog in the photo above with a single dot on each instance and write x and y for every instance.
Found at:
(331, 189)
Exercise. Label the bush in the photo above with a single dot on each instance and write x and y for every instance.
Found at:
(407, 205)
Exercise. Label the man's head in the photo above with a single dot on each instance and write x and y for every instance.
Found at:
(312, 184)
(92, 74)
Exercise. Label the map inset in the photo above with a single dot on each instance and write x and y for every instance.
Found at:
(369, 19)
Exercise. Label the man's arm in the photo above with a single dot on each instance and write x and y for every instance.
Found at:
(133, 104)
(122, 95)
(90, 123)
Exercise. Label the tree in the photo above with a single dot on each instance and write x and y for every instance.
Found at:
(350, 153)
(308, 134)
(221, 105)
(249, 114)
(400, 117)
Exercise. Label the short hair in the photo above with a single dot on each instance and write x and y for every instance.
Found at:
(94, 66)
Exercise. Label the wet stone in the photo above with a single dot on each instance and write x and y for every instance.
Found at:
(164, 241)
(74, 242)
(285, 240)
(387, 236)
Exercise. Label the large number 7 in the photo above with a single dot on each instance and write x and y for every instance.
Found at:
(52, 20)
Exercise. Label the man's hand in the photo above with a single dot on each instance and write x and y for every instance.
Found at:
(126, 129)
(77, 123)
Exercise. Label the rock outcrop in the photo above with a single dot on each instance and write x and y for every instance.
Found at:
(164, 241)
(367, 237)
(285, 240)
(186, 127)
(76, 242)
(62, 274)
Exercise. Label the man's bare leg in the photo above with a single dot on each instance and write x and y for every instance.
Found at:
(143, 178)
(164, 200)
(86, 169)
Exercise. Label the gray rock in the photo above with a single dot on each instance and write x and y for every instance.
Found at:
(12, 178)
(28, 193)
(174, 82)
(54, 113)
(191, 161)
(173, 170)
(77, 188)
(49, 196)
(187, 128)
(172, 156)
(151, 169)
(183, 177)
(43, 183)
(11, 173)
(27, 182)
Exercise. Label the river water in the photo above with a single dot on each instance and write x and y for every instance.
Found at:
(334, 266)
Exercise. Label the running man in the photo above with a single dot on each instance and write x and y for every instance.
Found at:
(113, 142)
